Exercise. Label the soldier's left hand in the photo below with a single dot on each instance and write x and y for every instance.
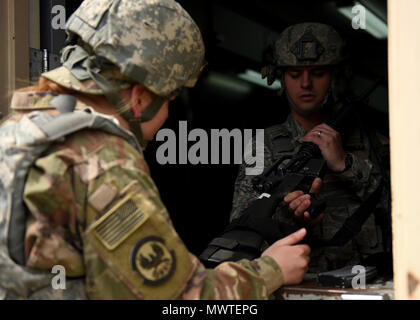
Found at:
(329, 141)
(298, 202)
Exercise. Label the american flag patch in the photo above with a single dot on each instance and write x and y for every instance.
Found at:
(119, 223)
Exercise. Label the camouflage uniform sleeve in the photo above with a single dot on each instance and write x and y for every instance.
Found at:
(362, 177)
(245, 280)
(96, 211)
(244, 193)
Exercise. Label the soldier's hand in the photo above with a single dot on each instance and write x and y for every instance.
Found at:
(329, 141)
(298, 202)
(292, 259)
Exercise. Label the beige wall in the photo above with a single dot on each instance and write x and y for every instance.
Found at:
(404, 94)
(14, 51)
(34, 25)
(4, 72)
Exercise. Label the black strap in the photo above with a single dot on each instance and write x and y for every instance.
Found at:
(353, 224)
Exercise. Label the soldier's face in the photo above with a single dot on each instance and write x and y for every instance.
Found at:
(307, 86)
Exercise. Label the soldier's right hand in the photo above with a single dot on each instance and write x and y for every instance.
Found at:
(292, 259)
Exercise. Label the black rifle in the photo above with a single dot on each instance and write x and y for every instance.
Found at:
(251, 233)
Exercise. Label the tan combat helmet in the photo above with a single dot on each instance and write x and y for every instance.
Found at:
(309, 44)
(305, 44)
(152, 42)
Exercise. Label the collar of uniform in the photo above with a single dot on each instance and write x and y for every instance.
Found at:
(31, 100)
(290, 129)
(295, 128)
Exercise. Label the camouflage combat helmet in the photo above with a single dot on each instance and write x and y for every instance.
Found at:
(152, 42)
(308, 44)
(305, 44)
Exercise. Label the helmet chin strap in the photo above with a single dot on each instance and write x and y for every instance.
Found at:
(84, 66)
(123, 109)
(323, 105)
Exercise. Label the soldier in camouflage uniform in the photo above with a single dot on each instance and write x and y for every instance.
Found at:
(89, 203)
(308, 59)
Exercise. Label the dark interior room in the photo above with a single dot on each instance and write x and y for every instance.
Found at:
(230, 94)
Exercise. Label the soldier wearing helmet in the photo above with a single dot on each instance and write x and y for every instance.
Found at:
(76, 193)
(308, 59)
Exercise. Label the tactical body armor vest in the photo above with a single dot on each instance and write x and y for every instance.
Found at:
(22, 143)
(279, 142)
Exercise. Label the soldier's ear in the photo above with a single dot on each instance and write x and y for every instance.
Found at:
(137, 91)
(141, 98)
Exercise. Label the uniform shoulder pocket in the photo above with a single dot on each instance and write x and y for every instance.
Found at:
(134, 239)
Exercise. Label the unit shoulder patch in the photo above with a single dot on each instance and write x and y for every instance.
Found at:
(153, 260)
